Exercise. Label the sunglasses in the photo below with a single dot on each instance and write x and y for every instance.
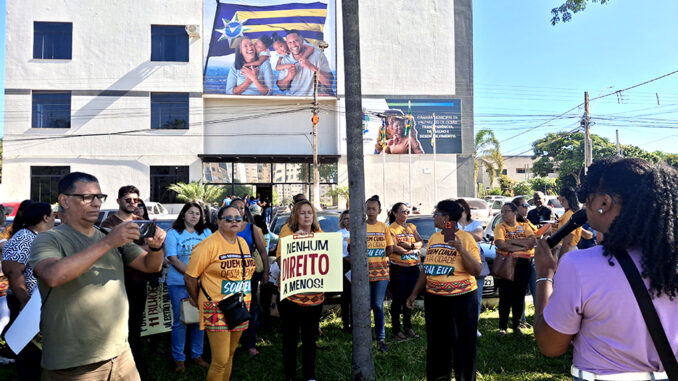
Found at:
(231, 219)
(404, 211)
(525, 205)
(132, 200)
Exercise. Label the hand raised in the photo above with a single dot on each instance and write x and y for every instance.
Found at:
(158, 238)
(545, 259)
(122, 234)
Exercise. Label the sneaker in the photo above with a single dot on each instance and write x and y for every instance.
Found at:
(179, 366)
(502, 332)
(478, 334)
(199, 361)
(382, 346)
(518, 332)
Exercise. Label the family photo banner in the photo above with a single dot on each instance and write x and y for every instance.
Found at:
(310, 263)
(269, 47)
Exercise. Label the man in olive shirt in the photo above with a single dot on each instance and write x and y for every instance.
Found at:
(80, 277)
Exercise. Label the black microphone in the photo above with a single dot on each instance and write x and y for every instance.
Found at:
(578, 219)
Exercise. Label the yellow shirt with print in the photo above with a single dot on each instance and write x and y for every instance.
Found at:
(403, 234)
(518, 231)
(444, 267)
(562, 221)
(378, 239)
(304, 298)
(218, 264)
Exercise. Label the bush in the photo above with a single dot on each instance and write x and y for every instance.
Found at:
(495, 192)
(544, 184)
(523, 187)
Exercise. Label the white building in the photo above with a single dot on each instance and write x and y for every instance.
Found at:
(115, 89)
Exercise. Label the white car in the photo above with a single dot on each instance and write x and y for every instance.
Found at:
(480, 209)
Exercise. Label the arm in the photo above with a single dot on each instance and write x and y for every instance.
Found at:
(419, 243)
(192, 288)
(17, 281)
(177, 264)
(55, 272)
(471, 264)
(505, 246)
(565, 244)
(551, 342)
(416, 148)
(526, 243)
(421, 282)
(477, 234)
(586, 234)
(261, 248)
(258, 62)
(151, 261)
(284, 83)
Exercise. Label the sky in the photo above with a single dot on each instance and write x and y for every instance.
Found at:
(528, 72)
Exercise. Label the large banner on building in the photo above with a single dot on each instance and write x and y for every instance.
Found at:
(402, 126)
(310, 263)
(269, 47)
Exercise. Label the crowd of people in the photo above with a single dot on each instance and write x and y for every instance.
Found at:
(83, 273)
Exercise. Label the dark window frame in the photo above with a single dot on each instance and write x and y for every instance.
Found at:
(40, 113)
(52, 40)
(160, 181)
(170, 104)
(169, 43)
(50, 177)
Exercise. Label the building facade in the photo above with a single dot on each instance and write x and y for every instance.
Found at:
(129, 92)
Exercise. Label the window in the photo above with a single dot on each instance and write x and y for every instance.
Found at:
(169, 43)
(164, 176)
(51, 109)
(521, 170)
(504, 171)
(44, 182)
(169, 111)
(52, 40)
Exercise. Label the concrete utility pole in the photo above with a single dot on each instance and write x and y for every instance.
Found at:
(588, 146)
(363, 358)
(315, 120)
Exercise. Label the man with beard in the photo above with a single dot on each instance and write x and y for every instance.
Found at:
(542, 212)
(298, 81)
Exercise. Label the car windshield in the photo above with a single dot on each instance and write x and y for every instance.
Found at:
(477, 204)
(554, 203)
(425, 227)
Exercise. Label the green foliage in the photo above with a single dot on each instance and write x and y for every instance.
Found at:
(544, 184)
(336, 191)
(495, 192)
(564, 12)
(487, 155)
(523, 187)
(506, 184)
(194, 191)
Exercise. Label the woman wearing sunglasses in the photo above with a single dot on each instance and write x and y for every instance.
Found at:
(218, 261)
(187, 231)
(300, 311)
(588, 301)
(404, 268)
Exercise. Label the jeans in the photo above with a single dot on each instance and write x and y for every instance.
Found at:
(403, 280)
(249, 337)
(377, 293)
(512, 293)
(294, 317)
(480, 280)
(451, 325)
(176, 293)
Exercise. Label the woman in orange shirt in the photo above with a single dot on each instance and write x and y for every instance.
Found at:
(568, 198)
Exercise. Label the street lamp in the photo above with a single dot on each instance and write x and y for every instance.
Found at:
(315, 120)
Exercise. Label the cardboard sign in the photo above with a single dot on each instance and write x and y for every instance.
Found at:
(310, 263)
(158, 313)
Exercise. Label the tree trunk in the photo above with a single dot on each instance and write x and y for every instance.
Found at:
(363, 358)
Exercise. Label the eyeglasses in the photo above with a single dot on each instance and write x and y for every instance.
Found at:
(404, 211)
(438, 214)
(88, 198)
(132, 200)
(525, 205)
(231, 219)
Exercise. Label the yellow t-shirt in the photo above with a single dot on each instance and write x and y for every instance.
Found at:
(403, 234)
(562, 221)
(218, 264)
(445, 271)
(378, 239)
(519, 230)
(305, 298)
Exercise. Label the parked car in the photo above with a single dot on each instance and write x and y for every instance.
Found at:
(328, 220)
(425, 228)
(480, 209)
(496, 205)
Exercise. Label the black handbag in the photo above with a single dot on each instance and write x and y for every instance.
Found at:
(654, 325)
(233, 307)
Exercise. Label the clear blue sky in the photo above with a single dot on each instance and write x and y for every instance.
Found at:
(527, 71)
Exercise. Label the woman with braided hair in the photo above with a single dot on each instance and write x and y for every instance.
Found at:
(589, 300)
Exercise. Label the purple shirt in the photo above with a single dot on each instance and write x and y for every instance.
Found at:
(593, 301)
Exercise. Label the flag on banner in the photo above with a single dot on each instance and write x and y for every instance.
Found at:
(433, 133)
(235, 20)
(408, 124)
(382, 135)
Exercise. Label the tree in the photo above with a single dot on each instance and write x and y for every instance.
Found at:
(506, 184)
(544, 184)
(487, 155)
(194, 191)
(339, 190)
(564, 152)
(564, 12)
(523, 187)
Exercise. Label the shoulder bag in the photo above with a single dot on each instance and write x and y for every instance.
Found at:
(654, 325)
(234, 307)
(188, 313)
(504, 265)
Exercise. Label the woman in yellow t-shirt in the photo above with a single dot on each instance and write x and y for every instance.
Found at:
(300, 311)
(218, 261)
(450, 301)
(404, 268)
(379, 247)
(517, 239)
(568, 199)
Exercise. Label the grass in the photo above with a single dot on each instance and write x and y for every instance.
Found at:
(501, 359)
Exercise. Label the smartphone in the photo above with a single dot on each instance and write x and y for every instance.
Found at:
(449, 230)
(146, 228)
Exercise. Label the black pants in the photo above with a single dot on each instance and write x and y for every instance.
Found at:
(135, 284)
(451, 324)
(512, 293)
(28, 360)
(346, 298)
(306, 318)
(402, 283)
(249, 337)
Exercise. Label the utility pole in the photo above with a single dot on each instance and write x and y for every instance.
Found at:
(363, 358)
(315, 119)
(619, 151)
(588, 146)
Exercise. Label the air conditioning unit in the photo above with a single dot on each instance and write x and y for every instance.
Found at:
(193, 30)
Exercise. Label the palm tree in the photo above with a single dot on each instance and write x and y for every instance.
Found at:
(194, 191)
(487, 154)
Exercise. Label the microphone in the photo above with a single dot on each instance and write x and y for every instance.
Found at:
(578, 219)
